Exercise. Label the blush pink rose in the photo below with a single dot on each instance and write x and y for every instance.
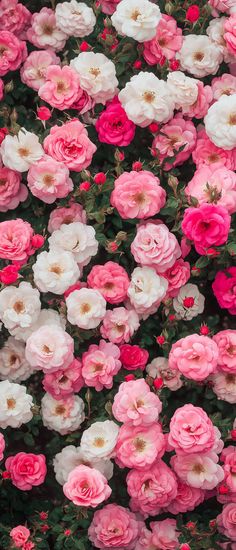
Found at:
(64, 382)
(230, 33)
(49, 180)
(177, 276)
(71, 145)
(2, 446)
(210, 184)
(176, 134)
(34, 69)
(111, 280)
(195, 356)
(74, 212)
(200, 108)
(207, 225)
(207, 153)
(114, 527)
(226, 342)
(165, 44)
(19, 535)
(12, 190)
(152, 488)
(222, 5)
(133, 357)
(113, 125)
(15, 240)
(61, 87)
(224, 288)
(119, 325)
(139, 446)
(228, 456)
(86, 487)
(163, 535)
(13, 52)
(225, 84)
(138, 195)
(44, 33)
(136, 404)
(27, 470)
(155, 246)
(191, 430)
(226, 521)
(187, 498)
(100, 364)
(43, 352)
(14, 17)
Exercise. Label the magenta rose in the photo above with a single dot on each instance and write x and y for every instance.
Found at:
(113, 125)
(224, 288)
(191, 430)
(207, 226)
(15, 240)
(86, 487)
(13, 52)
(133, 357)
(27, 470)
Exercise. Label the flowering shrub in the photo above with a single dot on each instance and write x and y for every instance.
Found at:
(117, 274)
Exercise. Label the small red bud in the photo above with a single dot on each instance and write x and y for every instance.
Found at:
(137, 64)
(37, 241)
(204, 330)
(158, 383)
(85, 186)
(223, 490)
(185, 546)
(100, 178)
(233, 435)
(84, 46)
(190, 525)
(112, 246)
(172, 317)
(153, 127)
(44, 528)
(67, 532)
(174, 64)
(193, 13)
(212, 523)
(137, 166)
(160, 340)
(43, 113)
(129, 377)
(6, 475)
(43, 515)
(188, 302)
(120, 156)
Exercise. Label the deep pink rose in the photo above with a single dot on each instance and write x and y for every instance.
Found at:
(163, 535)
(14, 17)
(114, 527)
(70, 144)
(111, 280)
(133, 357)
(13, 52)
(15, 240)
(224, 288)
(12, 190)
(108, 6)
(113, 125)
(191, 430)
(27, 470)
(86, 487)
(19, 535)
(177, 276)
(207, 225)
(2, 446)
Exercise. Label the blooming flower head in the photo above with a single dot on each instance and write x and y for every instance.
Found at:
(136, 404)
(19, 152)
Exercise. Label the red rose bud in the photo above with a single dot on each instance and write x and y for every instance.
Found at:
(43, 515)
(223, 490)
(137, 166)
(185, 546)
(172, 317)
(119, 156)
(3, 133)
(129, 377)
(158, 383)
(6, 475)
(84, 46)
(37, 241)
(212, 523)
(160, 340)
(100, 178)
(153, 127)
(193, 13)
(85, 186)
(44, 528)
(188, 302)
(133, 357)
(9, 274)
(67, 532)
(162, 61)
(233, 435)
(212, 252)
(190, 525)
(43, 113)
(204, 330)
(137, 64)
(112, 246)
(174, 64)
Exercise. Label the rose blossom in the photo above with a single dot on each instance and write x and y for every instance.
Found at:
(177, 276)
(113, 125)
(195, 356)
(214, 184)
(43, 352)
(49, 180)
(189, 302)
(2, 446)
(27, 470)
(215, 31)
(139, 446)
(159, 368)
(34, 69)
(61, 87)
(227, 521)
(167, 41)
(199, 56)
(19, 535)
(97, 75)
(108, 6)
(230, 33)
(119, 325)
(138, 195)
(14, 52)
(200, 108)
(146, 290)
(114, 527)
(44, 33)
(99, 364)
(183, 89)
(19, 152)
(74, 212)
(224, 288)
(152, 488)
(15, 240)
(207, 225)
(12, 190)
(136, 404)
(207, 153)
(164, 534)
(70, 457)
(55, 271)
(13, 364)
(191, 430)
(64, 416)
(133, 357)
(75, 18)
(64, 382)
(176, 134)
(99, 440)
(111, 280)
(198, 470)
(220, 122)
(226, 342)
(78, 239)
(224, 386)
(70, 144)
(15, 405)
(155, 246)
(187, 498)
(222, 5)
(228, 456)
(137, 19)
(14, 16)
(223, 85)
(86, 308)
(86, 487)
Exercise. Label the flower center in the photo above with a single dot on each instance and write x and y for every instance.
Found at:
(85, 308)
(149, 96)
(55, 268)
(99, 442)
(11, 403)
(198, 56)
(162, 42)
(60, 409)
(13, 359)
(61, 86)
(198, 468)
(213, 157)
(98, 367)
(109, 285)
(120, 328)
(232, 119)
(135, 14)
(19, 307)
(139, 444)
(47, 29)
(230, 378)
(46, 349)
(139, 198)
(95, 71)
(231, 350)
(63, 379)
(2, 50)
(48, 179)
(3, 182)
(23, 152)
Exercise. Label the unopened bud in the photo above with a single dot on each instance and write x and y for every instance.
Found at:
(169, 8)
(121, 236)
(9, 87)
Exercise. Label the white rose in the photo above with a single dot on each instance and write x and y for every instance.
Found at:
(184, 89)
(86, 308)
(16, 405)
(19, 307)
(99, 440)
(19, 152)
(215, 31)
(223, 385)
(13, 364)
(220, 122)
(77, 238)
(137, 19)
(145, 98)
(46, 317)
(64, 416)
(189, 302)
(75, 18)
(49, 348)
(146, 290)
(55, 271)
(199, 56)
(97, 75)
(70, 457)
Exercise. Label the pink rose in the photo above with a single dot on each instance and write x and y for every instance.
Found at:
(15, 240)
(176, 134)
(34, 69)
(222, 5)
(224, 386)
(27, 470)
(200, 108)
(108, 6)
(228, 456)
(86, 487)
(136, 404)
(224, 288)
(165, 44)
(2, 446)
(113, 125)
(133, 357)
(206, 152)
(49, 180)
(191, 430)
(114, 527)
(74, 212)
(227, 521)
(19, 535)
(13, 52)
(225, 84)
(155, 246)
(61, 87)
(187, 498)
(194, 356)
(44, 32)
(177, 276)
(151, 489)
(226, 342)
(100, 364)
(139, 446)
(111, 280)
(212, 184)
(163, 535)
(119, 325)
(64, 382)
(14, 17)
(230, 33)
(83, 102)
(207, 225)
(12, 190)
(70, 144)
(138, 195)
(43, 352)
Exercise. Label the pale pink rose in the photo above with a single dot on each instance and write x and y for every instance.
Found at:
(194, 356)
(228, 456)
(27, 470)
(212, 184)
(49, 180)
(206, 152)
(176, 134)
(155, 246)
(44, 33)
(224, 386)
(191, 430)
(200, 108)
(222, 5)
(71, 145)
(165, 44)
(2, 446)
(136, 404)
(64, 382)
(207, 225)
(14, 17)
(108, 6)
(14, 52)
(86, 487)
(34, 69)
(114, 527)
(49, 348)
(227, 521)
(119, 325)
(19, 535)
(198, 470)
(163, 535)
(138, 195)
(226, 342)
(100, 364)
(187, 498)
(177, 276)
(61, 88)
(152, 488)
(12, 190)
(230, 33)
(15, 240)
(225, 84)
(139, 446)
(159, 368)
(74, 212)
(111, 280)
